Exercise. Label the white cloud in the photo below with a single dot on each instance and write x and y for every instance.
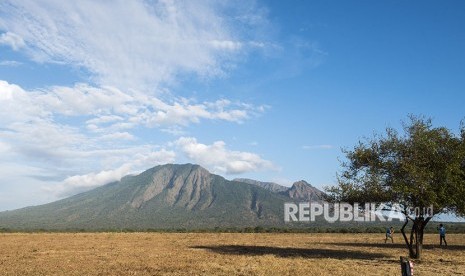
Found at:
(7, 90)
(219, 159)
(104, 119)
(11, 63)
(83, 99)
(155, 42)
(133, 51)
(81, 183)
(43, 140)
(183, 112)
(135, 44)
(4, 148)
(143, 160)
(13, 40)
(31, 134)
(118, 136)
(226, 44)
(17, 105)
(174, 130)
(114, 111)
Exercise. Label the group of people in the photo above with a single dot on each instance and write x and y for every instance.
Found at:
(441, 229)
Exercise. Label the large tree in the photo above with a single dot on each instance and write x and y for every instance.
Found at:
(420, 167)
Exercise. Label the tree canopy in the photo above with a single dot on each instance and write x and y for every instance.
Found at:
(420, 167)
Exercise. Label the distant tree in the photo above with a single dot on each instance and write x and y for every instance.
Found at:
(422, 167)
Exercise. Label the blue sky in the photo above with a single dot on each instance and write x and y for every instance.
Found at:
(270, 90)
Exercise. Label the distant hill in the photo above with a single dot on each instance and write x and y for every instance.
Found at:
(167, 196)
(300, 190)
(303, 191)
(273, 187)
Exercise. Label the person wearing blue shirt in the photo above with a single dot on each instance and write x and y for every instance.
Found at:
(442, 234)
(389, 232)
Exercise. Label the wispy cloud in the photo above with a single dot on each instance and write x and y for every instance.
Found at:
(13, 40)
(133, 51)
(135, 44)
(11, 63)
(33, 135)
(111, 109)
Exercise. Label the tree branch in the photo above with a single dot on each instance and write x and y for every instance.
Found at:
(405, 237)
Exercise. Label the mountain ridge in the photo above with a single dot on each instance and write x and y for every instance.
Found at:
(274, 187)
(300, 190)
(165, 196)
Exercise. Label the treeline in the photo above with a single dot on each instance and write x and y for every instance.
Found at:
(431, 228)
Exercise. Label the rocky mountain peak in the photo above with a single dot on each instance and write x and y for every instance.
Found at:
(301, 190)
(181, 184)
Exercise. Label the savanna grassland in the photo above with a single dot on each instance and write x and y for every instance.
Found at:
(220, 254)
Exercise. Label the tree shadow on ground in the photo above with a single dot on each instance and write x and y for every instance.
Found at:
(397, 245)
(287, 252)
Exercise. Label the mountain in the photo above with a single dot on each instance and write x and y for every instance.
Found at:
(303, 191)
(273, 187)
(167, 196)
(300, 191)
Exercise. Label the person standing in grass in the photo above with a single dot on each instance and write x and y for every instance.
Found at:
(442, 234)
(389, 233)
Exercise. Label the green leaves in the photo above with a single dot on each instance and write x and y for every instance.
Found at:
(422, 166)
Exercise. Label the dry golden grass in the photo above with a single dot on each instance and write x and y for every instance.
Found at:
(220, 254)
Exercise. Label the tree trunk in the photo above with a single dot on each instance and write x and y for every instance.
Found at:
(415, 243)
(410, 250)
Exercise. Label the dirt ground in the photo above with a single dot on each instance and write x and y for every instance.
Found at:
(221, 254)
